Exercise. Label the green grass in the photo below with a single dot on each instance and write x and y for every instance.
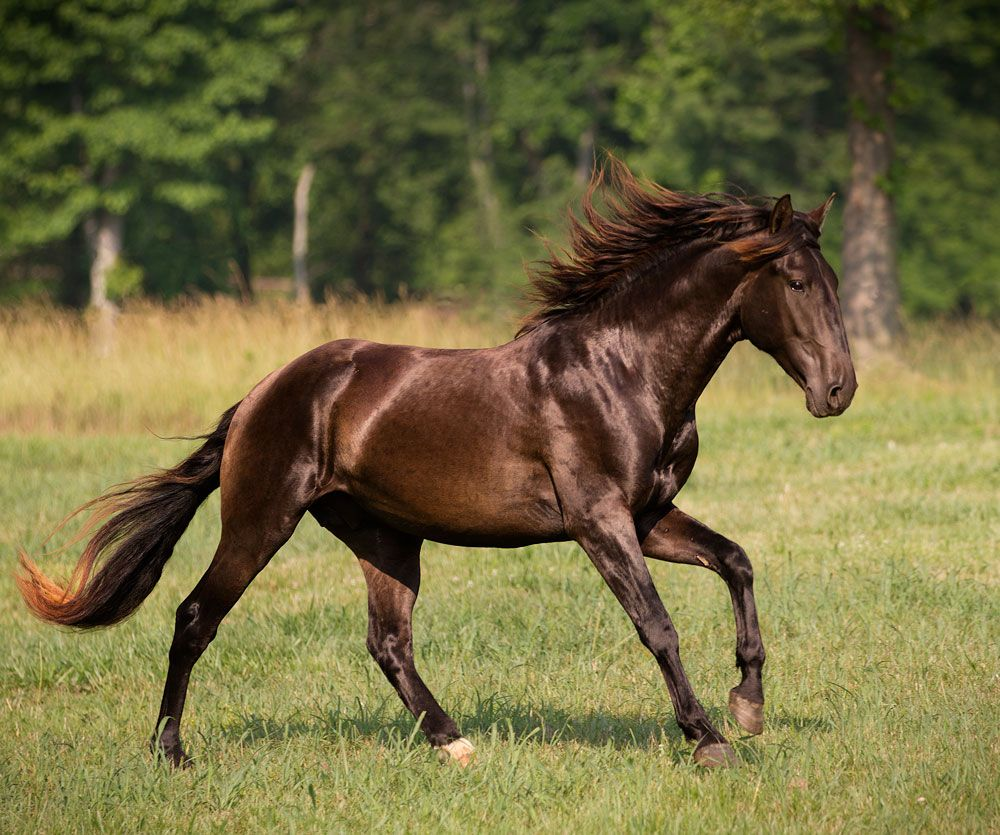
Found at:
(874, 538)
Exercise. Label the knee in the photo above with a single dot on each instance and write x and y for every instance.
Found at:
(736, 564)
(660, 639)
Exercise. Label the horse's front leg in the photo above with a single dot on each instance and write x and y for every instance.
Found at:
(677, 537)
(607, 533)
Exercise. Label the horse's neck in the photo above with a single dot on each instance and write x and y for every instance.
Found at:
(680, 327)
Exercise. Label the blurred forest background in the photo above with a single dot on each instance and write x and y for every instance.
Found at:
(263, 147)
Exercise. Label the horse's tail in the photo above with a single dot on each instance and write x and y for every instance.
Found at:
(142, 521)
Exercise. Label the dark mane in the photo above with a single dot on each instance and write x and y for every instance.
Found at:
(641, 221)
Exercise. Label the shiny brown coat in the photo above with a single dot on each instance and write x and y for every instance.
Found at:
(582, 428)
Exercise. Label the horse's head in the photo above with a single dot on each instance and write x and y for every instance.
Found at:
(789, 308)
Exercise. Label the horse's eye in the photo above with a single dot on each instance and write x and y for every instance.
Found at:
(797, 285)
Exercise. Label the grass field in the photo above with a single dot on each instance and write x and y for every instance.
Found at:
(874, 537)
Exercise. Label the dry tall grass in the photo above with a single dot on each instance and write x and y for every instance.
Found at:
(173, 369)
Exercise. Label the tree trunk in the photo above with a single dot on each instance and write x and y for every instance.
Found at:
(300, 233)
(871, 289)
(104, 240)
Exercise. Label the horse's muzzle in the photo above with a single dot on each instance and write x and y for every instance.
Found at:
(837, 396)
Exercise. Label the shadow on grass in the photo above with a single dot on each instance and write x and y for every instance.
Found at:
(493, 715)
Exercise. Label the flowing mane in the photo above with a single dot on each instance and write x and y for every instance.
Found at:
(640, 223)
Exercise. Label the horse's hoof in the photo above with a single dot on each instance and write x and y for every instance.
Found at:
(458, 750)
(178, 759)
(172, 755)
(715, 755)
(750, 715)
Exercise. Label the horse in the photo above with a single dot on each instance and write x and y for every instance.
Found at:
(581, 428)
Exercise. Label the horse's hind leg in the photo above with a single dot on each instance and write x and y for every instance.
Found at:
(679, 538)
(390, 561)
(249, 540)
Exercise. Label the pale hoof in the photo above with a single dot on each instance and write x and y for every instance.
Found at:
(459, 751)
(749, 715)
(715, 755)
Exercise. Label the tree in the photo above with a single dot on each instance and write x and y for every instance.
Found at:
(892, 102)
(175, 134)
(870, 293)
(762, 115)
(558, 76)
(948, 162)
(300, 233)
(924, 133)
(376, 106)
(784, 108)
(108, 106)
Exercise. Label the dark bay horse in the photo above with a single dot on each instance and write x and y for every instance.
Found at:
(582, 428)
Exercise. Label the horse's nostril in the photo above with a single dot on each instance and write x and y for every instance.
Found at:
(833, 398)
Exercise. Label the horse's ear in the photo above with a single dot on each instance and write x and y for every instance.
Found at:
(781, 215)
(818, 215)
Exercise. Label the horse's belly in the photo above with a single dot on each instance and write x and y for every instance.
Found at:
(525, 526)
(455, 480)
(485, 504)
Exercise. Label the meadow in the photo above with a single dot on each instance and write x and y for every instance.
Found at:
(874, 539)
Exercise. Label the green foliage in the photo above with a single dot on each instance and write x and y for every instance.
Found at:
(444, 134)
(763, 115)
(949, 162)
(768, 114)
(124, 107)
